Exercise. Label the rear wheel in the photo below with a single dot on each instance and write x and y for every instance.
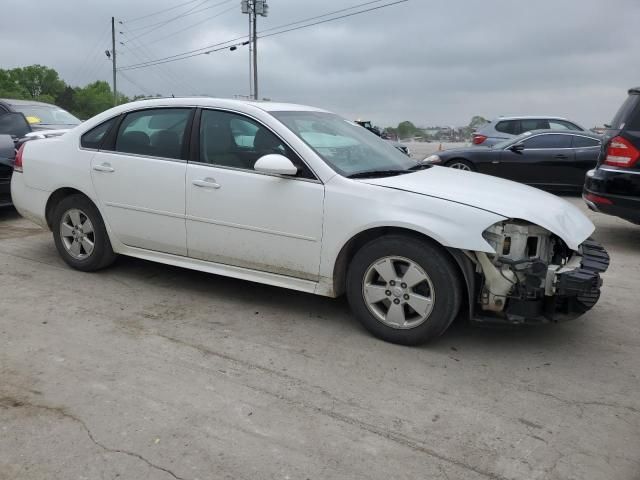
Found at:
(460, 164)
(403, 290)
(80, 235)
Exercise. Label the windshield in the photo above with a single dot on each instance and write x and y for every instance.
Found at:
(46, 115)
(345, 146)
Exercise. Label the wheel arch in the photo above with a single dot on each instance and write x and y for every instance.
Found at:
(55, 198)
(349, 249)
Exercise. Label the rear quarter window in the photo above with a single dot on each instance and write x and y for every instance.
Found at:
(93, 138)
(628, 115)
(507, 126)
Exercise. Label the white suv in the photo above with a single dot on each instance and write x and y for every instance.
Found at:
(504, 128)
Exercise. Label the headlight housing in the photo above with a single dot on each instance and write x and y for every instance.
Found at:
(432, 159)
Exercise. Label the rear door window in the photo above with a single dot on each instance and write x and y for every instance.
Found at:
(584, 142)
(533, 124)
(548, 141)
(507, 126)
(562, 125)
(157, 132)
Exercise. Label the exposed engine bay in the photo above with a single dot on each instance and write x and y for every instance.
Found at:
(534, 276)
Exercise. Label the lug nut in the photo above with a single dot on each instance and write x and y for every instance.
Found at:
(392, 283)
(396, 301)
(388, 293)
(406, 297)
(403, 285)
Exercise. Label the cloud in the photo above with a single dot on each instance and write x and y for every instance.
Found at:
(431, 62)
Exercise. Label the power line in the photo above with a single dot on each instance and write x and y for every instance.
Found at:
(332, 19)
(159, 12)
(156, 40)
(185, 14)
(192, 53)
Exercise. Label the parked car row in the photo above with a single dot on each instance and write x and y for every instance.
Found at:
(506, 128)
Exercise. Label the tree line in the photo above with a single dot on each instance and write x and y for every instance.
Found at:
(37, 82)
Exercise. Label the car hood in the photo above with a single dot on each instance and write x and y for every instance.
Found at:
(503, 197)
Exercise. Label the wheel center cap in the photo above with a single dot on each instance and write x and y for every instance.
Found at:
(397, 291)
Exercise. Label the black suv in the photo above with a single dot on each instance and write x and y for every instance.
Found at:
(614, 186)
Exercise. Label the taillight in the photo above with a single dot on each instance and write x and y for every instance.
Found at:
(478, 139)
(621, 153)
(17, 163)
(597, 199)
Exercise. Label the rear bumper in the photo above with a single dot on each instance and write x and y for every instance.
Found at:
(613, 192)
(30, 202)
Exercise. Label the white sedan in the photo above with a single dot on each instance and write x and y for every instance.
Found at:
(301, 198)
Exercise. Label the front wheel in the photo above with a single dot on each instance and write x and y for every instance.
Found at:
(460, 164)
(404, 290)
(80, 235)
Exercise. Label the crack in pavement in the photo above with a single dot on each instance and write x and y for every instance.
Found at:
(581, 403)
(8, 402)
(395, 437)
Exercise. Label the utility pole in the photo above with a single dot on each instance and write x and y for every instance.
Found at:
(254, 8)
(113, 60)
(254, 36)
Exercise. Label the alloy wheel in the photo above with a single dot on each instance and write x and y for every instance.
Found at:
(76, 232)
(398, 292)
(460, 166)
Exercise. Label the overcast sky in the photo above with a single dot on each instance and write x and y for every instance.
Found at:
(428, 61)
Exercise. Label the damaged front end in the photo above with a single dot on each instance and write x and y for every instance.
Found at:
(534, 277)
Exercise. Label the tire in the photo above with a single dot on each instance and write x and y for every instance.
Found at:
(461, 164)
(73, 236)
(411, 258)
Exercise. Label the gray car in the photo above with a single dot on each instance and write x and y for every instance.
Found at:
(41, 116)
(504, 128)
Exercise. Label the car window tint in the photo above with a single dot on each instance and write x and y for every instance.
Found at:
(628, 111)
(584, 142)
(157, 132)
(231, 140)
(548, 141)
(561, 125)
(533, 124)
(93, 138)
(507, 126)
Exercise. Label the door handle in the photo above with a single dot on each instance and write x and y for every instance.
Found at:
(495, 161)
(105, 167)
(207, 183)
(561, 156)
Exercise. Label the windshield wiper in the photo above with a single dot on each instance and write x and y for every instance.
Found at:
(377, 173)
(420, 166)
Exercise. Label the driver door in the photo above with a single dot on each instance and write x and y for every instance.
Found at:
(237, 216)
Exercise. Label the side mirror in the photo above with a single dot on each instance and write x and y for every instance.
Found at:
(14, 124)
(518, 148)
(275, 164)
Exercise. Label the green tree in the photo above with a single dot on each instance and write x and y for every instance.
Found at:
(10, 88)
(406, 129)
(92, 99)
(477, 121)
(41, 83)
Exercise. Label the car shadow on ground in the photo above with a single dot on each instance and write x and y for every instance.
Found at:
(8, 213)
(333, 313)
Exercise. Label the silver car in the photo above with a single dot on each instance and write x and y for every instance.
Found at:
(504, 128)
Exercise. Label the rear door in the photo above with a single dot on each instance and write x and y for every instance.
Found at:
(140, 179)
(586, 151)
(548, 158)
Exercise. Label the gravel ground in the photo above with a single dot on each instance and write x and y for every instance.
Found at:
(148, 371)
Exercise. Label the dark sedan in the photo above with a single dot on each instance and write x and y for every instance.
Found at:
(550, 159)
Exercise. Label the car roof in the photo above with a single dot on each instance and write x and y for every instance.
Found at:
(531, 117)
(562, 132)
(13, 101)
(215, 102)
(635, 91)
